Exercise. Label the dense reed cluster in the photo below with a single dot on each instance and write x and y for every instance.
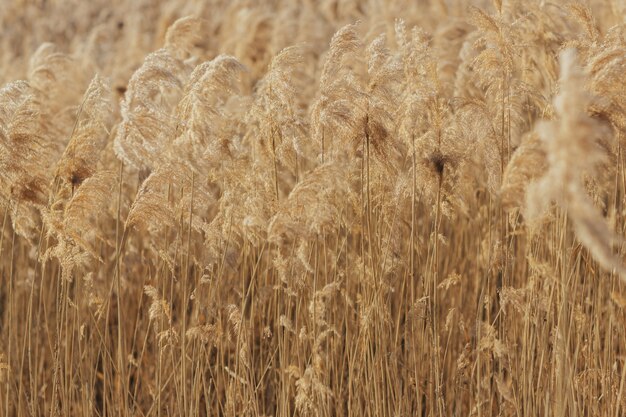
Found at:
(314, 208)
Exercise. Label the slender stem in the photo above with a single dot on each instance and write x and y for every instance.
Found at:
(275, 167)
(120, 339)
(185, 300)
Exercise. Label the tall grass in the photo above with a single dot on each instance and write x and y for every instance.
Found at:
(334, 208)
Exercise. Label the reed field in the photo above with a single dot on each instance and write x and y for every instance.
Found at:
(315, 208)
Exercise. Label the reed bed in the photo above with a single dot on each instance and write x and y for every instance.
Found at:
(312, 208)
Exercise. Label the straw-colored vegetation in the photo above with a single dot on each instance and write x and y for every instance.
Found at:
(312, 208)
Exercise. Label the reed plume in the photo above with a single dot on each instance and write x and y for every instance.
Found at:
(572, 149)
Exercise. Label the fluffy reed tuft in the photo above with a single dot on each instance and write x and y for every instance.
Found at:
(572, 149)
